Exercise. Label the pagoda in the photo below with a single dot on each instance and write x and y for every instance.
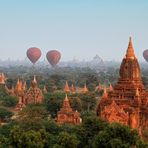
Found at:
(45, 89)
(85, 89)
(66, 88)
(67, 115)
(72, 89)
(20, 92)
(34, 95)
(2, 79)
(127, 102)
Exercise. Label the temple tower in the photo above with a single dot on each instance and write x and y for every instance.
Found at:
(66, 88)
(34, 94)
(128, 99)
(85, 89)
(67, 115)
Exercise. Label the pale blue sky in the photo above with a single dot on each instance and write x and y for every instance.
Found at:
(78, 28)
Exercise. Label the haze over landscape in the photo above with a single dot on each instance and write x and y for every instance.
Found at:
(73, 74)
(76, 28)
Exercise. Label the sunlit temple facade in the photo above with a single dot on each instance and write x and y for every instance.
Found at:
(67, 115)
(127, 102)
(33, 95)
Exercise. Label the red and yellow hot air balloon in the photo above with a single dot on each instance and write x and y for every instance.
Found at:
(33, 54)
(53, 57)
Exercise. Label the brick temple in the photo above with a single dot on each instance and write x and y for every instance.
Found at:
(67, 115)
(127, 102)
(33, 95)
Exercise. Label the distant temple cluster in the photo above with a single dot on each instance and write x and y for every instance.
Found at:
(72, 89)
(34, 95)
(127, 103)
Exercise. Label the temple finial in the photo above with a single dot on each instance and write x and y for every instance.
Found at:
(130, 42)
(85, 89)
(130, 50)
(110, 87)
(66, 98)
(66, 88)
(34, 82)
(34, 79)
(105, 94)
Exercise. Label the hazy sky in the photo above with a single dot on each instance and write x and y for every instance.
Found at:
(77, 28)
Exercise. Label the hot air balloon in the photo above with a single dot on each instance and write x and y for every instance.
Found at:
(145, 54)
(53, 57)
(33, 54)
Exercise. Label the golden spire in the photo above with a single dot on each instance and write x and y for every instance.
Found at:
(105, 95)
(66, 103)
(2, 78)
(110, 87)
(66, 98)
(85, 89)
(25, 86)
(19, 86)
(45, 89)
(34, 82)
(34, 79)
(72, 88)
(130, 50)
(66, 88)
(18, 81)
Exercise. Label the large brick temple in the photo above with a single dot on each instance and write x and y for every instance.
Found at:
(127, 103)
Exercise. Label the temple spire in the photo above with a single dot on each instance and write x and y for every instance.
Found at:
(130, 50)
(34, 79)
(72, 88)
(2, 79)
(45, 89)
(34, 82)
(66, 88)
(18, 81)
(110, 87)
(66, 98)
(66, 103)
(24, 86)
(19, 86)
(105, 94)
(85, 89)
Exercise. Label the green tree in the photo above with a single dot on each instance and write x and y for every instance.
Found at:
(116, 135)
(32, 117)
(30, 139)
(5, 114)
(3, 142)
(66, 140)
(7, 100)
(10, 101)
(88, 101)
(53, 102)
(90, 127)
(6, 128)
